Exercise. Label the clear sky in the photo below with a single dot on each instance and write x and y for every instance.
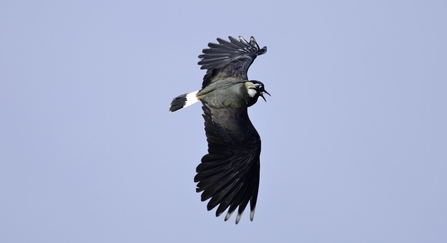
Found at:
(354, 135)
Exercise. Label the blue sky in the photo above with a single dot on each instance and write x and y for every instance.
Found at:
(354, 135)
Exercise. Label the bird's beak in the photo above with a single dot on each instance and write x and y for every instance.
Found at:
(262, 95)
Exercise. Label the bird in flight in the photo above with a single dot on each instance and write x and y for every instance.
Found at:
(229, 174)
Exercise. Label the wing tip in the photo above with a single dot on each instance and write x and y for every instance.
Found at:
(252, 214)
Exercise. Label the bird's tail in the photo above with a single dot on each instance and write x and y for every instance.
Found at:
(183, 101)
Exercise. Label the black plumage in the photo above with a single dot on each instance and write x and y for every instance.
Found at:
(229, 174)
(229, 59)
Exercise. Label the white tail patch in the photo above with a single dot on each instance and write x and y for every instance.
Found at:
(191, 98)
(183, 101)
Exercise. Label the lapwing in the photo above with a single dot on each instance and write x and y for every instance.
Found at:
(229, 174)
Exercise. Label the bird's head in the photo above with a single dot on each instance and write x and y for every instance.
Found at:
(255, 89)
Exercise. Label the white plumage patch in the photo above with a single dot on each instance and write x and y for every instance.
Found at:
(252, 92)
(251, 89)
(191, 98)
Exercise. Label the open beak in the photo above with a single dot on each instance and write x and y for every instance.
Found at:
(262, 95)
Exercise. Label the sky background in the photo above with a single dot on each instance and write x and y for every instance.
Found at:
(354, 135)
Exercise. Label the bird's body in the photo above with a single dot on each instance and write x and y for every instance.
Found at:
(229, 174)
(232, 89)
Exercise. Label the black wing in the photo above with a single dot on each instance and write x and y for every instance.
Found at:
(229, 173)
(228, 59)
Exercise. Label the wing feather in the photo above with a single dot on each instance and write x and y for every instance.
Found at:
(229, 174)
(228, 58)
